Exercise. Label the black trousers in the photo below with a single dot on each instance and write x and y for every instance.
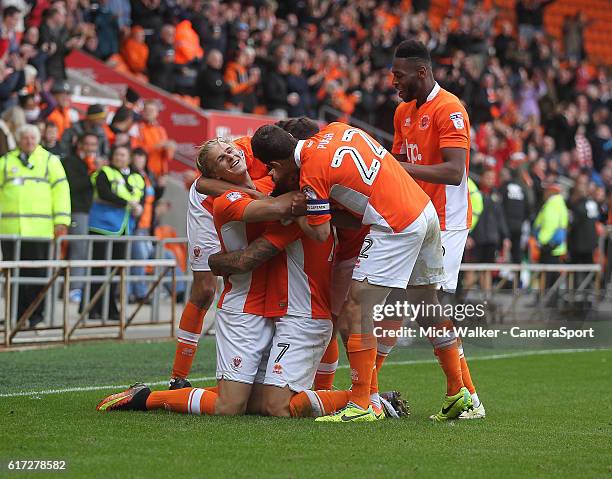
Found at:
(99, 253)
(547, 258)
(516, 252)
(30, 250)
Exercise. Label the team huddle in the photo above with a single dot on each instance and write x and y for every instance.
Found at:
(311, 231)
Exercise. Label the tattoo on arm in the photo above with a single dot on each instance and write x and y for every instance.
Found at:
(238, 262)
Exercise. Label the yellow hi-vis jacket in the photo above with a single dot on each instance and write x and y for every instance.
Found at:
(34, 194)
(477, 202)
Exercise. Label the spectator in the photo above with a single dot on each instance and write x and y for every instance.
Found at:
(58, 108)
(10, 121)
(12, 79)
(118, 196)
(79, 165)
(530, 16)
(121, 128)
(57, 41)
(154, 139)
(145, 227)
(33, 186)
(297, 84)
(516, 209)
(50, 138)
(9, 38)
(121, 10)
(161, 63)
(582, 237)
(210, 85)
(135, 52)
(492, 231)
(573, 36)
(276, 93)
(107, 29)
(550, 229)
(242, 81)
(94, 122)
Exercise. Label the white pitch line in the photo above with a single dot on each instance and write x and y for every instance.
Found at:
(520, 354)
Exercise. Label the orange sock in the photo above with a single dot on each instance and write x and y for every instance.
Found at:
(465, 371)
(317, 403)
(324, 379)
(445, 348)
(362, 357)
(188, 335)
(187, 401)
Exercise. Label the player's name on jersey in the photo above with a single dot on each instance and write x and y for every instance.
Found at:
(480, 332)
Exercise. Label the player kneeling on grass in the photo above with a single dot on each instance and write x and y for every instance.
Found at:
(243, 334)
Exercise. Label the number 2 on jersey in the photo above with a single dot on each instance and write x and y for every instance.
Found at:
(368, 174)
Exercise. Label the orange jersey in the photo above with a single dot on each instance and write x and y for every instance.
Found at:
(299, 277)
(420, 134)
(255, 167)
(344, 164)
(243, 293)
(350, 242)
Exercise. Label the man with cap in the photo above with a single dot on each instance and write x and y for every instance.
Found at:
(94, 123)
(58, 107)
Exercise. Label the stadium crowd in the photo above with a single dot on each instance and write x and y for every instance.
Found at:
(540, 111)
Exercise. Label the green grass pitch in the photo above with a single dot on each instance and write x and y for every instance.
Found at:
(549, 415)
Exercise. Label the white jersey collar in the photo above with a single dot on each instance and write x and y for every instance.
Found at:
(434, 92)
(297, 152)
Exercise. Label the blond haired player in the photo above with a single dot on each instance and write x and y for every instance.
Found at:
(432, 139)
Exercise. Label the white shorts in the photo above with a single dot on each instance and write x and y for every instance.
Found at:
(412, 256)
(453, 246)
(242, 342)
(201, 233)
(297, 348)
(341, 277)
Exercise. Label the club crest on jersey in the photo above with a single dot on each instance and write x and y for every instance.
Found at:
(309, 192)
(457, 119)
(237, 362)
(233, 196)
(424, 122)
(197, 251)
(407, 121)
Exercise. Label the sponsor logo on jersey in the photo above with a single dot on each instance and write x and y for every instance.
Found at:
(457, 119)
(234, 196)
(424, 122)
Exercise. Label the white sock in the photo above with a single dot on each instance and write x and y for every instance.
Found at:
(375, 400)
(475, 399)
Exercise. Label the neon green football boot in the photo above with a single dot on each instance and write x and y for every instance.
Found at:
(352, 413)
(453, 406)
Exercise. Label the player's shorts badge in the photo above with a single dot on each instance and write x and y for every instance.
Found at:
(237, 362)
(424, 122)
(197, 251)
(277, 369)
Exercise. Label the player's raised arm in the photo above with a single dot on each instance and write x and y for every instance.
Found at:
(450, 172)
(270, 209)
(215, 187)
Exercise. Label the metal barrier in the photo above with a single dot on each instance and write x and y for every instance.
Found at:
(63, 268)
